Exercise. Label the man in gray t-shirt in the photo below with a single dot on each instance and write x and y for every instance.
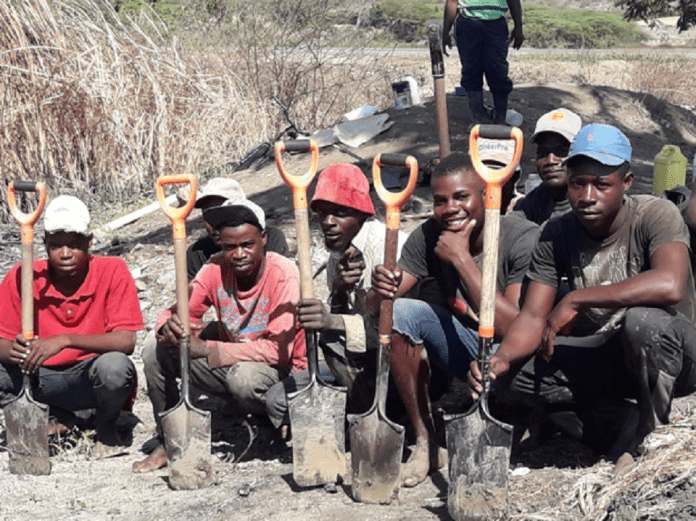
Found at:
(626, 329)
(449, 249)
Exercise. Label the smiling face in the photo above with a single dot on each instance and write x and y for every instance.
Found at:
(595, 193)
(242, 248)
(339, 223)
(551, 150)
(68, 254)
(457, 198)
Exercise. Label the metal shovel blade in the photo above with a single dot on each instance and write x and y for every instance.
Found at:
(318, 441)
(186, 431)
(26, 422)
(478, 446)
(376, 446)
(187, 443)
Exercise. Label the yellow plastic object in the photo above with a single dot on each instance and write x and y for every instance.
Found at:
(669, 169)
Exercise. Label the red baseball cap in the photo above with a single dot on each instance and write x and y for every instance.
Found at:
(346, 185)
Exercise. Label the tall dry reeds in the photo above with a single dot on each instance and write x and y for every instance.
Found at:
(99, 106)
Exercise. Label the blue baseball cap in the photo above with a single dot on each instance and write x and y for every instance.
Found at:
(603, 143)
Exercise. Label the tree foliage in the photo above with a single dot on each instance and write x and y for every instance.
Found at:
(650, 9)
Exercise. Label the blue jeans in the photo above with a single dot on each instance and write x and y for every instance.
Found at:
(483, 49)
(451, 346)
(102, 382)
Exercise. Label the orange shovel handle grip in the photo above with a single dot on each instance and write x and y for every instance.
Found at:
(177, 215)
(394, 200)
(298, 183)
(493, 177)
(26, 220)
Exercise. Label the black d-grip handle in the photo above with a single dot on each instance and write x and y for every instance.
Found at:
(25, 186)
(298, 145)
(393, 159)
(495, 131)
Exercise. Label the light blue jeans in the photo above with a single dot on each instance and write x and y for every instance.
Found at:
(451, 346)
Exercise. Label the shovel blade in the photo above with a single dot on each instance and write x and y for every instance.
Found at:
(187, 442)
(478, 446)
(26, 422)
(377, 447)
(318, 440)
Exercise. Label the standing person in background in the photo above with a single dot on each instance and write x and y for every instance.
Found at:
(482, 40)
(552, 136)
(86, 316)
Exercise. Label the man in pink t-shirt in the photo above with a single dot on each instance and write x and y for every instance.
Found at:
(86, 314)
(255, 343)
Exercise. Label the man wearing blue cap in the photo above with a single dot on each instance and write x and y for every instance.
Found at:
(625, 332)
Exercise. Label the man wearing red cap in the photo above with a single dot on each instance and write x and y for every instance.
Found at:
(356, 242)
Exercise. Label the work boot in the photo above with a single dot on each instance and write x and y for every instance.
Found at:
(499, 109)
(478, 111)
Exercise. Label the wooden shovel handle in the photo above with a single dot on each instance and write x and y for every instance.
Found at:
(27, 222)
(393, 201)
(299, 185)
(493, 177)
(178, 217)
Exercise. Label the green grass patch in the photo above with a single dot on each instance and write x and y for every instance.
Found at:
(548, 27)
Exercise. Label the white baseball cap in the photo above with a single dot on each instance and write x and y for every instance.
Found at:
(234, 208)
(66, 213)
(220, 187)
(561, 121)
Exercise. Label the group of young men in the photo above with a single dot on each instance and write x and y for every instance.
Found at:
(595, 302)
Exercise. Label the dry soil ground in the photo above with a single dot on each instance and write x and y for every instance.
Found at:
(561, 480)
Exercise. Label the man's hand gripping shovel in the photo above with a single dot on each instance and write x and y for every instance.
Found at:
(186, 429)
(478, 445)
(317, 412)
(377, 444)
(25, 419)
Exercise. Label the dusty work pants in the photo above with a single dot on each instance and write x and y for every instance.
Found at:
(102, 382)
(245, 382)
(651, 359)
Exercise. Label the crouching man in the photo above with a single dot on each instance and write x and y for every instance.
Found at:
(626, 329)
(254, 345)
(86, 315)
(449, 248)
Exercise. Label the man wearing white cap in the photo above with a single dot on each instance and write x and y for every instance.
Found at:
(214, 193)
(87, 313)
(256, 342)
(552, 136)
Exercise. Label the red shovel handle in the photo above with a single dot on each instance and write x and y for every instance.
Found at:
(27, 221)
(493, 177)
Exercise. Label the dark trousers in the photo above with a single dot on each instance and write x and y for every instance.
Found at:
(651, 359)
(102, 382)
(483, 49)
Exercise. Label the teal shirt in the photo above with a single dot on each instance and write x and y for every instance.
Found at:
(483, 9)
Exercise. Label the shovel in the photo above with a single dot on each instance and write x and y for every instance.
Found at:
(317, 412)
(186, 430)
(438, 69)
(26, 420)
(377, 444)
(478, 445)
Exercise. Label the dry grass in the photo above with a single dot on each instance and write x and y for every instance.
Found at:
(100, 108)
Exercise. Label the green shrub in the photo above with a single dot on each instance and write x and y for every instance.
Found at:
(547, 27)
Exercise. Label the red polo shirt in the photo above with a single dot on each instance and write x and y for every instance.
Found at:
(106, 301)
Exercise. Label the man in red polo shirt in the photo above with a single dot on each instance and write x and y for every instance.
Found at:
(86, 313)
